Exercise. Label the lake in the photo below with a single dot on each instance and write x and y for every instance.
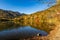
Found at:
(11, 30)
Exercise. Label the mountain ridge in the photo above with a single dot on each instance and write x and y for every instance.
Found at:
(7, 14)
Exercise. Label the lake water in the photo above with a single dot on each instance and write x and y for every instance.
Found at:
(10, 30)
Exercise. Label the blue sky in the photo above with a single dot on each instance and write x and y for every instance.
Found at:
(25, 6)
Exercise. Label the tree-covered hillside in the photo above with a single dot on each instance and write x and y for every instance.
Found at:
(46, 19)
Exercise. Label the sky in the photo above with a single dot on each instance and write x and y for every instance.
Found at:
(26, 6)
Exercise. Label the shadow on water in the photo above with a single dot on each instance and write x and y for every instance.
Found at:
(15, 31)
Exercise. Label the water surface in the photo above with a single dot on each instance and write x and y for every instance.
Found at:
(10, 30)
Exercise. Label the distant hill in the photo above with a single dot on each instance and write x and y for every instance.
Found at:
(4, 14)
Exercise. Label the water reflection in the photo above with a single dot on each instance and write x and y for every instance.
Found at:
(12, 30)
(8, 25)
